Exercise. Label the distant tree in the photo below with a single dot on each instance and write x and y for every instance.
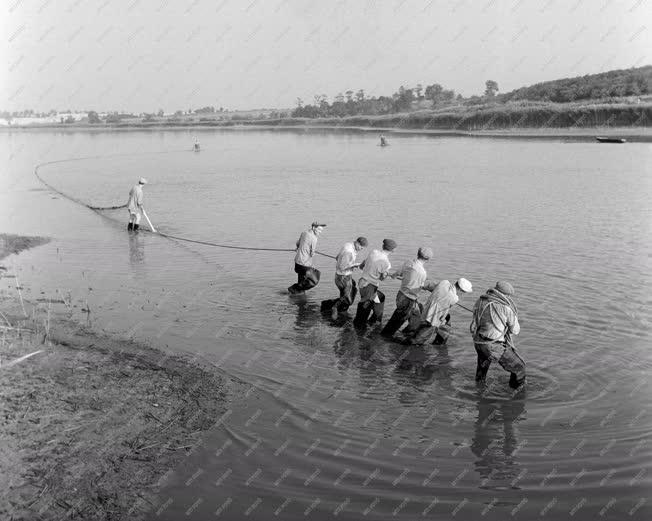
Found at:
(148, 117)
(339, 98)
(69, 119)
(93, 117)
(160, 113)
(178, 113)
(299, 102)
(491, 87)
(433, 92)
(418, 90)
(447, 95)
(349, 95)
(359, 96)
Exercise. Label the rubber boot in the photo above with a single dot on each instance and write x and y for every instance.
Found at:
(327, 305)
(482, 369)
(514, 382)
(136, 226)
(393, 325)
(130, 227)
(362, 314)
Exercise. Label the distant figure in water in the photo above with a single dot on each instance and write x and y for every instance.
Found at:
(345, 263)
(495, 320)
(307, 275)
(434, 323)
(383, 141)
(196, 147)
(135, 205)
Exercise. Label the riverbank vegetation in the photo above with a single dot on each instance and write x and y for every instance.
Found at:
(621, 98)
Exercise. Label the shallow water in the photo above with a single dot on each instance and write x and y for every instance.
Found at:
(330, 421)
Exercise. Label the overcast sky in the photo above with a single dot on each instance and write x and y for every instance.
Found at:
(142, 55)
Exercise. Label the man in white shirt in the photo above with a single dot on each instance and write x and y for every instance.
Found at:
(375, 268)
(413, 279)
(495, 320)
(307, 275)
(345, 263)
(433, 323)
(135, 204)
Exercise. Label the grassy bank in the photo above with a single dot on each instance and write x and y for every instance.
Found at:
(544, 117)
(90, 426)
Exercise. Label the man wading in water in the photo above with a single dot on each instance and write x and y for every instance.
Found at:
(413, 279)
(495, 320)
(345, 263)
(135, 204)
(374, 269)
(433, 326)
(307, 276)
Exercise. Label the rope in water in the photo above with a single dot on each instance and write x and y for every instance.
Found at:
(167, 236)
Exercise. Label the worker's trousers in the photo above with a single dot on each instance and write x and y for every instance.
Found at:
(348, 291)
(405, 308)
(502, 353)
(307, 278)
(368, 304)
(134, 217)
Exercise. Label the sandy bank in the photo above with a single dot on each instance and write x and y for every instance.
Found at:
(90, 426)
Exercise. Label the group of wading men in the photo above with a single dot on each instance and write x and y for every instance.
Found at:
(495, 315)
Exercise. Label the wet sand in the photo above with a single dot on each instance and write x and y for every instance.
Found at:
(91, 426)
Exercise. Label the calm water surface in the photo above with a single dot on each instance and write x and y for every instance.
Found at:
(325, 421)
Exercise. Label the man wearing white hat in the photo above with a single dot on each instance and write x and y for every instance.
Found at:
(433, 324)
(135, 204)
(413, 279)
(307, 275)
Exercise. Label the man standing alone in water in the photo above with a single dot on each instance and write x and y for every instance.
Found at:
(307, 276)
(495, 320)
(135, 205)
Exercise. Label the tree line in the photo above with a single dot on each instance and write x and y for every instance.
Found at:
(612, 84)
(352, 103)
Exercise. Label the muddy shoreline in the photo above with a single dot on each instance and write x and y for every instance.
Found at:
(91, 426)
(636, 134)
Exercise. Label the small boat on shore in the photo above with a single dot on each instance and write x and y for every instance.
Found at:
(611, 139)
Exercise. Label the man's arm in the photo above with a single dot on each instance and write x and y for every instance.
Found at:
(429, 285)
(512, 323)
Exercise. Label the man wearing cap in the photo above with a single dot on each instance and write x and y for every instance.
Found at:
(345, 263)
(432, 326)
(374, 269)
(495, 320)
(413, 279)
(135, 204)
(307, 275)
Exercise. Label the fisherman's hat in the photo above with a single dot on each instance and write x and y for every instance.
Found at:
(317, 223)
(425, 253)
(465, 285)
(142, 181)
(505, 287)
(389, 244)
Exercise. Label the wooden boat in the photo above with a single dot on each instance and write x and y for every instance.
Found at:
(611, 139)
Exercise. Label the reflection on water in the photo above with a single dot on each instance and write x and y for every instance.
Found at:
(495, 440)
(136, 249)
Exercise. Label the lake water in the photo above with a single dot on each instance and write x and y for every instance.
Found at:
(324, 421)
